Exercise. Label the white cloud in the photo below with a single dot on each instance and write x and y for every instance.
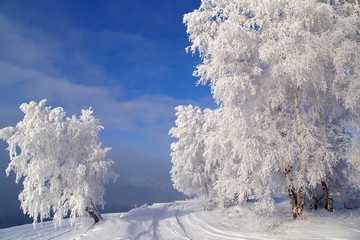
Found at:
(23, 84)
(27, 47)
(36, 64)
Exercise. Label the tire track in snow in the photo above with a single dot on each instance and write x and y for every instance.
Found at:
(170, 227)
(203, 230)
(168, 221)
(181, 224)
(215, 231)
(154, 224)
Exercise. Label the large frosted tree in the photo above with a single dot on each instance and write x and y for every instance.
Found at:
(285, 76)
(60, 161)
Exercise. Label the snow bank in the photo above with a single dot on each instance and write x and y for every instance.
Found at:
(187, 220)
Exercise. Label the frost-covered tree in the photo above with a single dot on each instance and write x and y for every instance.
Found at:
(285, 75)
(188, 172)
(60, 161)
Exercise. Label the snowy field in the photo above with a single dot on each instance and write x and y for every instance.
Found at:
(186, 220)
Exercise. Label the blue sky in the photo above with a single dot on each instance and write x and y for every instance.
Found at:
(124, 58)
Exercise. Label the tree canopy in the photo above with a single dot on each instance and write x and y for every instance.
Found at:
(59, 160)
(285, 77)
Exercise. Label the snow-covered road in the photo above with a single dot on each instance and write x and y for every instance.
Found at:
(185, 220)
(179, 220)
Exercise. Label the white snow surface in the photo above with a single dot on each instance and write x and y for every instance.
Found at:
(187, 220)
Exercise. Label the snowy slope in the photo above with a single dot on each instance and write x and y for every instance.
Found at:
(185, 220)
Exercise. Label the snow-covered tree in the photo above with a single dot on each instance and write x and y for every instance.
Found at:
(60, 161)
(285, 75)
(188, 172)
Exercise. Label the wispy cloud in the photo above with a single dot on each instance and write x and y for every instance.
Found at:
(69, 72)
(27, 47)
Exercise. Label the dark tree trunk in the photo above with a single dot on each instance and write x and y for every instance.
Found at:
(296, 207)
(293, 201)
(328, 200)
(291, 191)
(315, 203)
(301, 204)
(94, 212)
(95, 216)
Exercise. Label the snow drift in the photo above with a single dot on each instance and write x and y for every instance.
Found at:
(187, 220)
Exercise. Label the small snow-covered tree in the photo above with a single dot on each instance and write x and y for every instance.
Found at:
(285, 75)
(188, 172)
(60, 161)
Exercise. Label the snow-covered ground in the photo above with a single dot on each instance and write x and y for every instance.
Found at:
(186, 220)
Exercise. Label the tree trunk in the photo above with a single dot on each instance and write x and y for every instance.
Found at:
(301, 204)
(94, 212)
(293, 201)
(316, 201)
(291, 191)
(328, 200)
(296, 207)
